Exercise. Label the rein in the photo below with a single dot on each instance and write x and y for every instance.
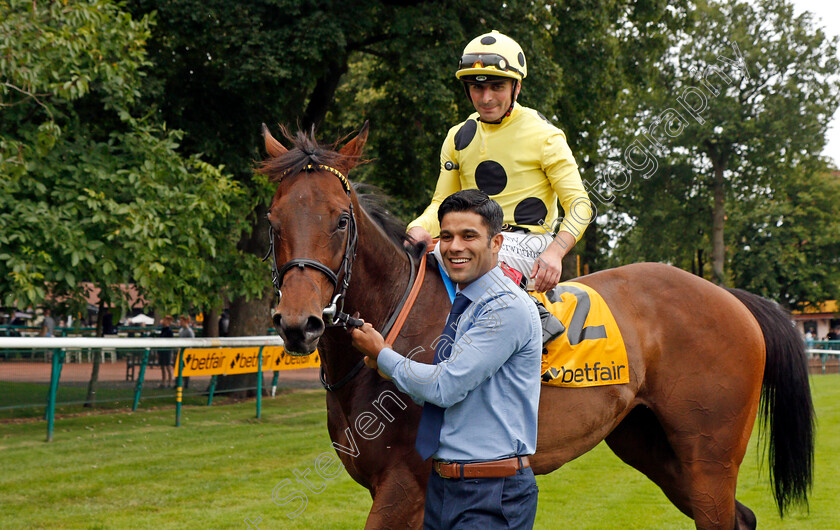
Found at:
(394, 325)
(334, 314)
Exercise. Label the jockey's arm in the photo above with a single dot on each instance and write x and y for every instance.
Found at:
(449, 181)
(561, 170)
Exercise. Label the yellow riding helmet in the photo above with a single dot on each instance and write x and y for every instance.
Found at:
(492, 54)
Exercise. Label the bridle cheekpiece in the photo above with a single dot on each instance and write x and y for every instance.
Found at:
(333, 314)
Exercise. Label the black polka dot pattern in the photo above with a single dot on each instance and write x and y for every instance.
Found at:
(465, 134)
(490, 177)
(530, 211)
(488, 40)
(521, 58)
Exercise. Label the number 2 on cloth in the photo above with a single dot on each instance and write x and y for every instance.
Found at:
(575, 331)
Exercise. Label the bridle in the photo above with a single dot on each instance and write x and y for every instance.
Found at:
(333, 314)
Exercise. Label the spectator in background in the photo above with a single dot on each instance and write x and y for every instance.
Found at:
(17, 320)
(224, 323)
(108, 323)
(186, 332)
(165, 356)
(833, 335)
(48, 325)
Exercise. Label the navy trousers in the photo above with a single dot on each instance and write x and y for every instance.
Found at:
(482, 503)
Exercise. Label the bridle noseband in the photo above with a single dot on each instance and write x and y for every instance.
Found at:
(333, 314)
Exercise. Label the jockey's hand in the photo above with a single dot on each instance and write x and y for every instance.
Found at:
(418, 233)
(549, 266)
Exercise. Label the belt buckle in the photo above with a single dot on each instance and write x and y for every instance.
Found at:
(437, 467)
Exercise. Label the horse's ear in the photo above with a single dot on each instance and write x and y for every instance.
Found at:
(353, 149)
(272, 146)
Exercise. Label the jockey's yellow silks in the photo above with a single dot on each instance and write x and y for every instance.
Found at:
(523, 163)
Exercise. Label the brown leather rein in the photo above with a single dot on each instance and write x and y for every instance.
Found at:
(395, 326)
(409, 302)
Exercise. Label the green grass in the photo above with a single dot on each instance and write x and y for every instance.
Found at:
(139, 471)
(29, 399)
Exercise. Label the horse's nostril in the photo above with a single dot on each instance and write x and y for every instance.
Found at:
(314, 326)
(277, 318)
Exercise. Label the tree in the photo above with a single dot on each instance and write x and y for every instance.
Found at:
(787, 243)
(744, 98)
(223, 67)
(90, 193)
(411, 103)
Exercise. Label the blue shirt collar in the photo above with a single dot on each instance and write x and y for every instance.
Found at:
(491, 280)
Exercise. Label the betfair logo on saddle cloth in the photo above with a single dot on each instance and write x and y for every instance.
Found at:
(227, 361)
(590, 352)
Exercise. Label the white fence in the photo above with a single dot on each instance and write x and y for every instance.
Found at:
(61, 346)
(823, 355)
(135, 343)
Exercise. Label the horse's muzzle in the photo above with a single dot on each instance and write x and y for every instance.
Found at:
(299, 335)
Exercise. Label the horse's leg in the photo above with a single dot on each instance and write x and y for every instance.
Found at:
(702, 488)
(640, 442)
(398, 499)
(746, 517)
(709, 434)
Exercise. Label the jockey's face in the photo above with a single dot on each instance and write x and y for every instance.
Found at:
(492, 100)
(468, 250)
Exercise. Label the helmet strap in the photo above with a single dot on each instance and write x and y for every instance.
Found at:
(512, 98)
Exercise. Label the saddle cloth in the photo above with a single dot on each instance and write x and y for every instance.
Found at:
(590, 351)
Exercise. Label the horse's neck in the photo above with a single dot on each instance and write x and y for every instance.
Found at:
(380, 276)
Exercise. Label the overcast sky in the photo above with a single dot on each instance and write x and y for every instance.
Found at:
(828, 14)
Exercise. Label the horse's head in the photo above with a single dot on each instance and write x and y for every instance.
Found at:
(313, 233)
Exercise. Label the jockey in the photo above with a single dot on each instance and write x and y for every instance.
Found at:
(516, 156)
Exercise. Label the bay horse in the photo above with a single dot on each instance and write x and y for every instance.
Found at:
(704, 360)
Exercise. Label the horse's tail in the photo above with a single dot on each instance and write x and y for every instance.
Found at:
(785, 403)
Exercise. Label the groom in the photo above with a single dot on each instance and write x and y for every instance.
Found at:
(481, 395)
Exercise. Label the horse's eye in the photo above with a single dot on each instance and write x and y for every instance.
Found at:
(343, 221)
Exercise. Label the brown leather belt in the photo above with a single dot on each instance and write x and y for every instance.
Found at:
(494, 469)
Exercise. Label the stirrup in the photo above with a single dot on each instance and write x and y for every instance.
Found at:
(551, 325)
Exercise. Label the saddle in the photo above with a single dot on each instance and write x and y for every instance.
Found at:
(582, 345)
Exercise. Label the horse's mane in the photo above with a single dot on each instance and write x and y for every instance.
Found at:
(306, 150)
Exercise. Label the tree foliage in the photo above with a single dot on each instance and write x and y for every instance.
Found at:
(738, 115)
(91, 190)
(786, 244)
(223, 67)
(96, 188)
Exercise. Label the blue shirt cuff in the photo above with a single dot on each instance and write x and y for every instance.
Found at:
(388, 360)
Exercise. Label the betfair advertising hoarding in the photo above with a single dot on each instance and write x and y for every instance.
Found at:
(228, 361)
